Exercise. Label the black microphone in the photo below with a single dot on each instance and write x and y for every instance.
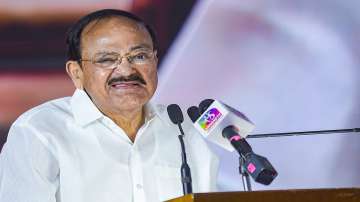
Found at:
(258, 167)
(176, 116)
(204, 105)
(193, 113)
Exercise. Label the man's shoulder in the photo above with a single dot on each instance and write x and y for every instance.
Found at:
(53, 110)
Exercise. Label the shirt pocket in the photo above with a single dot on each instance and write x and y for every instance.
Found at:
(168, 181)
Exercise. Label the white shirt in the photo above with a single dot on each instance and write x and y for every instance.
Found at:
(66, 150)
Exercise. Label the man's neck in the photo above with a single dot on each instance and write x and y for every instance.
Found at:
(130, 123)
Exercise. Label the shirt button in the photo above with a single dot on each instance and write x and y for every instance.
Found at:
(138, 186)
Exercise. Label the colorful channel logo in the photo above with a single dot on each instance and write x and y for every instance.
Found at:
(209, 118)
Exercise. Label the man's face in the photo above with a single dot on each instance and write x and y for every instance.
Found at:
(128, 86)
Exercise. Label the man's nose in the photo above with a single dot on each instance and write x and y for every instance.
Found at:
(124, 67)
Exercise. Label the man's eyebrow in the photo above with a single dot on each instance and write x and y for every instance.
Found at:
(104, 53)
(140, 46)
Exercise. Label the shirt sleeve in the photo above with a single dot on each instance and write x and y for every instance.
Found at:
(28, 170)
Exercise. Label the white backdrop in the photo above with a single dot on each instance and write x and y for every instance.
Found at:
(289, 66)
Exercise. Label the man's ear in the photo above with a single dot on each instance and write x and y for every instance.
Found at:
(155, 56)
(75, 72)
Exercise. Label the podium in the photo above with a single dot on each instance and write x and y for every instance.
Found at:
(295, 195)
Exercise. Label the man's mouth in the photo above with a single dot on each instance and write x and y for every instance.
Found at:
(126, 84)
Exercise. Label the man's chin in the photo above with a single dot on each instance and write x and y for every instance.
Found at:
(129, 102)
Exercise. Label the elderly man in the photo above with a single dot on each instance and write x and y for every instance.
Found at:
(106, 143)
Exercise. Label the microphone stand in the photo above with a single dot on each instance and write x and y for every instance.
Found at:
(245, 178)
(242, 170)
(185, 169)
(301, 133)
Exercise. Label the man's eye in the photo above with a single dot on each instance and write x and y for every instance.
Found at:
(140, 57)
(105, 61)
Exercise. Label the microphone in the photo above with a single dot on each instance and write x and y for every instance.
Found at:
(193, 113)
(205, 104)
(213, 118)
(258, 167)
(176, 116)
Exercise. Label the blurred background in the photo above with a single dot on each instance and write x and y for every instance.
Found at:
(33, 49)
(288, 65)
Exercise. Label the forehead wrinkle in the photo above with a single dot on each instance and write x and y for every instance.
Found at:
(130, 25)
(125, 21)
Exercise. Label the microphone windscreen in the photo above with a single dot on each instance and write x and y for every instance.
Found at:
(204, 105)
(193, 113)
(175, 113)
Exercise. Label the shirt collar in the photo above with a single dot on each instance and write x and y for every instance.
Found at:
(158, 110)
(83, 108)
(85, 111)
